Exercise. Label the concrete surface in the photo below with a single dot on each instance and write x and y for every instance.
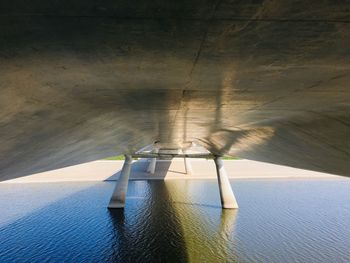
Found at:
(168, 170)
(264, 80)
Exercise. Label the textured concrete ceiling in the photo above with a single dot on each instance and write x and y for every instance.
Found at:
(264, 80)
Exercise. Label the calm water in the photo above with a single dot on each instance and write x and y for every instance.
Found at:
(176, 221)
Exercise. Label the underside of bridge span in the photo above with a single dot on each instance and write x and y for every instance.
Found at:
(264, 80)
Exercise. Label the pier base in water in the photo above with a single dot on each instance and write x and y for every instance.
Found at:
(227, 197)
(121, 188)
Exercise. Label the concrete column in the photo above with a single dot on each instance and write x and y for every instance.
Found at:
(152, 165)
(227, 197)
(121, 188)
(188, 166)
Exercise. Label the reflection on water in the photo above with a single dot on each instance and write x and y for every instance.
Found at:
(176, 221)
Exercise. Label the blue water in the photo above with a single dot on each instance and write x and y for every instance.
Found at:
(176, 221)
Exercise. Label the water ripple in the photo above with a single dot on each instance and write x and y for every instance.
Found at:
(176, 221)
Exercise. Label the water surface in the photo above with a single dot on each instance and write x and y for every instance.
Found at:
(176, 221)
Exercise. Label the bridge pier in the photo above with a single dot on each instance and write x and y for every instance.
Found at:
(152, 165)
(227, 197)
(188, 166)
(228, 200)
(121, 188)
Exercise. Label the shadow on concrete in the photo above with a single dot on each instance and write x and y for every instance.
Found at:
(139, 170)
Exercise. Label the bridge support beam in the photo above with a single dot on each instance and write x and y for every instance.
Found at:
(121, 188)
(188, 166)
(227, 197)
(152, 165)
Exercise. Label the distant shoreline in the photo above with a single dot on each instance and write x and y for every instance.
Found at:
(108, 170)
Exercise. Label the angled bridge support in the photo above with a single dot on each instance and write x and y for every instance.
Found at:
(121, 188)
(227, 197)
(152, 165)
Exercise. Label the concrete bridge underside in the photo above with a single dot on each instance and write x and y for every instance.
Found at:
(262, 80)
